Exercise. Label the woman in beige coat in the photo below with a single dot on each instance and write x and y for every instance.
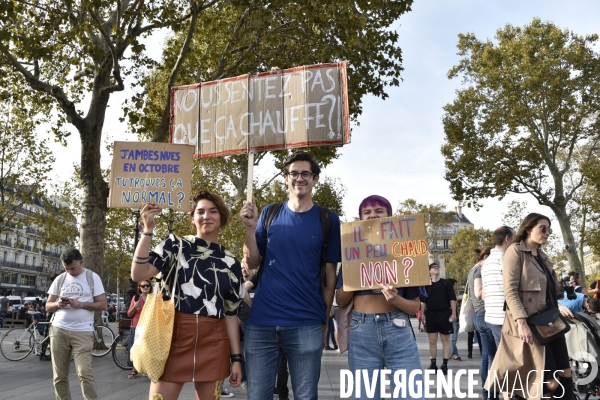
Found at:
(520, 360)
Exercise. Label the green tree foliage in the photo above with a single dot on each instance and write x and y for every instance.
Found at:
(436, 216)
(592, 201)
(64, 52)
(463, 245)
(527, 117)
(25, 162)
(238, 37)
(119, 241)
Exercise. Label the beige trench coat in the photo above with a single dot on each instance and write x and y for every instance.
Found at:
(521, 364)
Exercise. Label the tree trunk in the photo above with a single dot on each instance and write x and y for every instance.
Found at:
(582, 239)
(95, 188)
(567, 234)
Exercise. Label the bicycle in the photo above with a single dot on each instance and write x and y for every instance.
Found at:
(120, 349)
(18, 343)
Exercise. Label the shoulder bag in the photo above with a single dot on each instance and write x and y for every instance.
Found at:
(154, 330)
(467, 313)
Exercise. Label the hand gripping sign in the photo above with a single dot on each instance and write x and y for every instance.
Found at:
(386, 251)
(282, 109)
(144, 172)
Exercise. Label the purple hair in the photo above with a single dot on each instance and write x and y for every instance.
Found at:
(375, 200)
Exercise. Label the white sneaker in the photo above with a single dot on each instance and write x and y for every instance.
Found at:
(245, 385)
(226, 393)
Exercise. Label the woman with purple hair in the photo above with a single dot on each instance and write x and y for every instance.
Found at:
(380, 332)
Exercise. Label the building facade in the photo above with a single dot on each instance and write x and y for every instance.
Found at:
(25, 264)
(591, 262)
(439, 246)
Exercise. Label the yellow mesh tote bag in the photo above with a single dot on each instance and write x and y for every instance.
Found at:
(154, 332)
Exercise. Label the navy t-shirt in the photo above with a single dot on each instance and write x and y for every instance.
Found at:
(290, 293)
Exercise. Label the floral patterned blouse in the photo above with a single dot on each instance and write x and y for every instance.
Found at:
(209, 280)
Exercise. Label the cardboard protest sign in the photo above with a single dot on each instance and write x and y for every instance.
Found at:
(391, 251)
(144, 172)
(297, 107)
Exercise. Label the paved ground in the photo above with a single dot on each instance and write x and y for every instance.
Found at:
(32, 379)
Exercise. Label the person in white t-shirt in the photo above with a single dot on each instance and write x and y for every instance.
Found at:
(73, 303)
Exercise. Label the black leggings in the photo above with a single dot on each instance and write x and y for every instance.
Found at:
(557, 359)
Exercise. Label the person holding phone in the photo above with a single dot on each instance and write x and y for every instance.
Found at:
(74, 296)
(134, 312)
(381, 336)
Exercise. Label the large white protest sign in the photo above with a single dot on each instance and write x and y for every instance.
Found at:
(297, 107)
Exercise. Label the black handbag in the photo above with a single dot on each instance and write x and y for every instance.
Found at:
(548, 324)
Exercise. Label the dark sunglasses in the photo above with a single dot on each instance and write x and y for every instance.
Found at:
(144, 285)
(545, 229)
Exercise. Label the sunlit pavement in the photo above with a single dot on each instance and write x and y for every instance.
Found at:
(32, 379)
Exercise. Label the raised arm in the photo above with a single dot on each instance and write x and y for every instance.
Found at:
(141, 269)
(249, 216)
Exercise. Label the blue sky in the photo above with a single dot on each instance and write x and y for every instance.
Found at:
(395, 152)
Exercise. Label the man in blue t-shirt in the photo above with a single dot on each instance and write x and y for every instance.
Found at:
(291, 305)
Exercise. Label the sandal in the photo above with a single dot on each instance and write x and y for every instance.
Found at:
(132, 374)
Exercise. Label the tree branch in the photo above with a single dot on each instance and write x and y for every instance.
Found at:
(54, 91)
(163, 128)
(115, 59)
(266, 185)
(195, 11)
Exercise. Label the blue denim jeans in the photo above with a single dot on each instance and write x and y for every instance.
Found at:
(376, 342)
(2, 318)
(303, 346)
(454, 338)
(488, 350)
(130, 344)
(496, 331)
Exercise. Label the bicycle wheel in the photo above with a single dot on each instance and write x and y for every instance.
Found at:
(103, 340)
(15, 346)
(120, 352)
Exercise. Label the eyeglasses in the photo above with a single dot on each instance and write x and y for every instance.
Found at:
(305, 175)
(545, 229)
(143, 286)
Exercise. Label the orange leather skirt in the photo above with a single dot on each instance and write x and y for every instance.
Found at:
(199, 350)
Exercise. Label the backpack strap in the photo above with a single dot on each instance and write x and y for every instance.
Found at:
(269, 216)
(89, 274)
(61, 281)
(326, 226)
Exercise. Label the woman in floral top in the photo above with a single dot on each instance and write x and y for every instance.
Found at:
(207, 289)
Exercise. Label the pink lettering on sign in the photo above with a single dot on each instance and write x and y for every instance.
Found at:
(378, 273)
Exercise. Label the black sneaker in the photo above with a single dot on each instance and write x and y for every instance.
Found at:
(433, 367)
(444, 369)
(226, 393)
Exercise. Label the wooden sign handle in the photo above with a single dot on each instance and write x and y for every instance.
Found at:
(250, 176)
